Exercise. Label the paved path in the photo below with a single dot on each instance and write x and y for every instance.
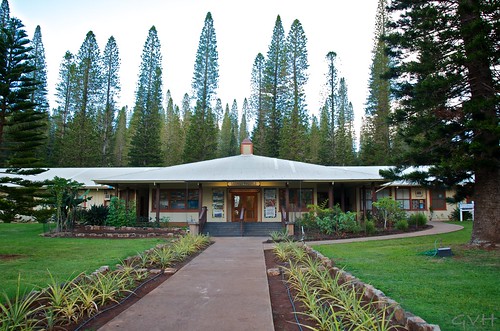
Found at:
(223, 288)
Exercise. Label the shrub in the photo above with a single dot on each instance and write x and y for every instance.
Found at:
(388, 211)
(119, 214)
(346, 222)
(95, 215)
(369, 227)
(402, 225)
(418, 219)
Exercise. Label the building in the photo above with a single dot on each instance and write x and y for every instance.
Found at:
(249, 188)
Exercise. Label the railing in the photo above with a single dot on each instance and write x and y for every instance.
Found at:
(242, 220)
(284, 216)
(202, 219)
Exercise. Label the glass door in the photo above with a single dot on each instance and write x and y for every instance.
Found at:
(244, 206)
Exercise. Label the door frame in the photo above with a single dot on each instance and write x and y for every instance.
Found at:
(243, 192)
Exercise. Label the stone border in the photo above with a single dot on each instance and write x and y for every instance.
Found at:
(97, 231)
(402, 317)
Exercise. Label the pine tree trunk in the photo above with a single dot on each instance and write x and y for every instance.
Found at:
(486, 228)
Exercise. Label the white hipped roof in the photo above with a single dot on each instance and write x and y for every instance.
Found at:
(244, 168)
(240, 168)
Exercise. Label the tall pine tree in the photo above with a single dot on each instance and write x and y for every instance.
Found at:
(79, 145)
(111, 85)
(446, 74)
(201, 139)
(22, 124)
(376, 141)
(243, 133)
(293, 134)
(276, 90)
(145, 145)
(174, 140)
(257, 109)
(344, 133)
(39, 76)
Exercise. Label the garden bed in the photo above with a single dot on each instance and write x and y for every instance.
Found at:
(96, 231)
(286, 299)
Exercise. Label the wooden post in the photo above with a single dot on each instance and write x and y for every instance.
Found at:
(342, 197)
(157, 204)
(287, 201)
(330, 195)
(200, 196)
(374, 195)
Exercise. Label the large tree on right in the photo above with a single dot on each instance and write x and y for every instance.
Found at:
(446, 74)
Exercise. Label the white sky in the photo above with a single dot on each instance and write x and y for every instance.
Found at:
(243, 29)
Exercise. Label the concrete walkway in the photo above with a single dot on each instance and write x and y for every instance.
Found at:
(223, 288)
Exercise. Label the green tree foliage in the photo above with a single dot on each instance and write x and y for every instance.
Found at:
(314, 139)
(145, 146)
(227, 140)
(111, 88)
(329, 111)
(201, 138)
(22, 123)
(257, 110)
(120, 214)
(81, 137)
(276, 92)
(65, 198)
(447, 82)
(120, 139)
(174, 140)
(39, 94)
(344, 133)
(293, 134)
(235, 128)
(65, 97)
(243, 133)
(376, 142)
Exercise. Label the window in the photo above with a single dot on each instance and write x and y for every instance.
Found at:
(403, 198)
(438, 199)
(298, 199)
(368, 197)
(177, 200)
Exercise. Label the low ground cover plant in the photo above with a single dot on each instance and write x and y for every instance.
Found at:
(330, 303)
(457, 293)
(72, 301)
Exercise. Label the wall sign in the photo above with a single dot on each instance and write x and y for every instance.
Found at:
(218, 204)
(270, 203)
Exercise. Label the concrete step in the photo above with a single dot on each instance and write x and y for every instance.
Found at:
(233, 229)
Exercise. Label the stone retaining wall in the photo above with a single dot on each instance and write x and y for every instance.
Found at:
(402, 317)
(96, 231)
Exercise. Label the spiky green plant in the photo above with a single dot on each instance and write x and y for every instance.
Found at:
(19, 313)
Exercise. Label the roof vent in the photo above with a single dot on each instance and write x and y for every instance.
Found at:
(246, 147)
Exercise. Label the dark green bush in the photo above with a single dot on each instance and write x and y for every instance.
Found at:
(95, 215)
(402, 225)
(417, 219)
(369, 227)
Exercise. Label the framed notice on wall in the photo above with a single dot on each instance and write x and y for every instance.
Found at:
(218, 204)
(270, 203)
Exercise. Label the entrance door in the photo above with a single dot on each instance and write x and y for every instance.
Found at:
(246, 203)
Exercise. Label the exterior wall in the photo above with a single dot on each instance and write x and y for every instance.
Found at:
(99, 197)
(216, 214)
(417, 194)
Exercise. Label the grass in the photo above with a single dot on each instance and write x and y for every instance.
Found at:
(36, 256)
(458, 293)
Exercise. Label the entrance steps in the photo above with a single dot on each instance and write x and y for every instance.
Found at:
(235, 229)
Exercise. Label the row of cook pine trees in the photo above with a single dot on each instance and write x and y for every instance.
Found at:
(86, 127)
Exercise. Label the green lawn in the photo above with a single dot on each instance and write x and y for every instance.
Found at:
(458, 293)
(63, 257)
